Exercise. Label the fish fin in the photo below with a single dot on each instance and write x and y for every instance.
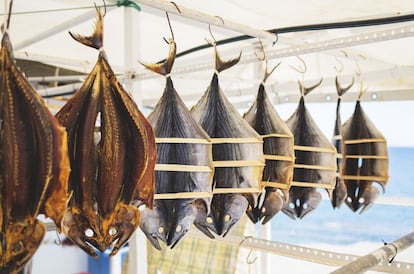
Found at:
(342, 90)
(96, 39)
(223, 65)
(165, 67)
(306, 90)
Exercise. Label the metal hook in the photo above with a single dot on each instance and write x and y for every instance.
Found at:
(262, 51)
(339, 70)
(212, 36)
(305, 68)
(169, 24)
(59, 240)
(176, 6)
(250, 261)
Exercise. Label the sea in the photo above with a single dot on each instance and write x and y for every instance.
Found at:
(380, 223)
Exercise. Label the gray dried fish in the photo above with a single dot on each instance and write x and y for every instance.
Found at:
(237, 156)
(315, 162)
(365, 160)
(184, 143)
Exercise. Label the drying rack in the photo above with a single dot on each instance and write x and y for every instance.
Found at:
(378, 260)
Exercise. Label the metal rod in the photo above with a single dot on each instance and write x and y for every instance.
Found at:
(206, 18)
(337, 43)
(59, 28)
(382, 255)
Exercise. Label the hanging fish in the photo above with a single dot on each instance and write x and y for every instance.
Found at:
(183, 175)
(34, 165)
(112, 152)
(237, 157)
(278, 153)
(365, 160)
(315, 161)
(339, 193)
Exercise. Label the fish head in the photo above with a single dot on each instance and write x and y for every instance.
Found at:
(302, 201)
(273, 202)
(339, 194)
(203, 221)
(81, 231)
(154, 226)
(121, 227)
(234, 206)
(21, 240)
(185, 215)
(366, 195)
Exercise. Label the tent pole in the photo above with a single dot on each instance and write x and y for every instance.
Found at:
(385, 253)
(198, 16)
(59, 28)
(137, 252)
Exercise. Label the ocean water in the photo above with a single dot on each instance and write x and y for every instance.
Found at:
(342, 226)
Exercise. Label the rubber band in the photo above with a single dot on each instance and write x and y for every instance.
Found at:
(177, 140)
(275, 184)
(379, 157)
(362, 141)
(224, 190)
(182, 195)
(329, 168)
(278, 158)
(280, 135)
(365, 178)
(238, 163)
(337, 137)
(186, 168)
(314, 185)
(314, 149)
(235, 140)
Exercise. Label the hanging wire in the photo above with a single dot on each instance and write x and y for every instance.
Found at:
(125, 3)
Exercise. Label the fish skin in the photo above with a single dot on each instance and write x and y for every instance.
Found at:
(361, 194)
(34, 165)
(265, 120)
(339, 193)
(220, 120)
(171, 219)
(112, 170)
(303, 200)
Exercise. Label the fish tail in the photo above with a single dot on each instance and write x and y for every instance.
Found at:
(96, 39)
(342, 90)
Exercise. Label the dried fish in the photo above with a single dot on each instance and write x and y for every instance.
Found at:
(237, 157)
(34, 165)
(183, 175)
(279, 155)
(339, 193)
(112, 162)
(315, 161)
(365, 160)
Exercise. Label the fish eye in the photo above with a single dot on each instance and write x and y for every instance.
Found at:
(297, 202)
(18, 246)
(263, 209)
(361, 200)
(160, 230)
(291, 205)
(349, 199)
(227, 218)
(112, 231)
(178, 228)
(209, 220)
(305, 206)
(89, 233)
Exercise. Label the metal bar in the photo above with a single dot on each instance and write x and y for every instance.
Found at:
(59, 28)
(304, 253)
(337, 43)
(383, 256)
(206, 18)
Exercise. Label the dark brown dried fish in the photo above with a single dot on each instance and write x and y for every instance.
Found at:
(184, 165)
(34, 165)
(315, 162)
(365, 160)
(279, 155)
(339, 193)
(109, 166)
(237, 157)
